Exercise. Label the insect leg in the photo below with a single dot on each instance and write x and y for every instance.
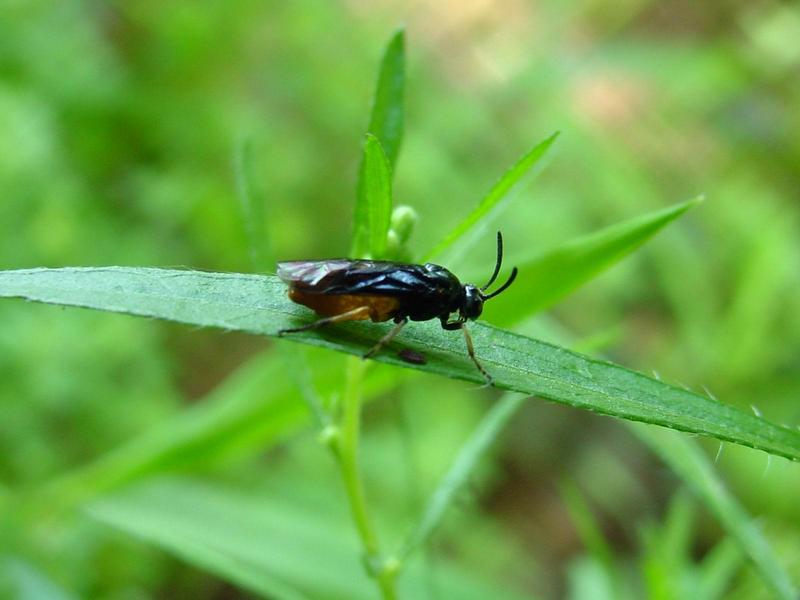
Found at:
(452, 326)
(351, 315)
(471, 352)
(386, 339)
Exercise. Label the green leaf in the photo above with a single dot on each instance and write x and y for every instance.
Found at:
(374, 203)
(275, 547)
(258, 304)
(719, 568)
(21, 579)
(386, 121)
(689, 463)
(588, 529)
(667, 570)
(254, 207)
(588, 580)
(469, 455)
(494, 199)
(545, 279)
(261, 544)
(256, 407)
(693, 467)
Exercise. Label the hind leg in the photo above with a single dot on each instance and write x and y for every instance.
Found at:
(386, 339)
(357, 314)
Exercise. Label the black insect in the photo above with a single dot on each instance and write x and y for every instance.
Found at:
(353, 290)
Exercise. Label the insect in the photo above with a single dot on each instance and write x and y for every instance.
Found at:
(354, 290)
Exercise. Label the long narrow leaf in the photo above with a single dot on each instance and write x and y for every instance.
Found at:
(546, 278)
(589, 529)
(275, 547)
(386, 121)
(374, 203)
(459, 473)
(253, 203)
(718, 569)
(689, 462)
(21, 579)
(494, 199)
(255, 408)
(258, 304)
(382, 144)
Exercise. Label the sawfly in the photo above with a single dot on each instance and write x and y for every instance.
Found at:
(344, 289)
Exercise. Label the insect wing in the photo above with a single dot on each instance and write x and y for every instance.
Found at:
(359, 277)
(309, 273)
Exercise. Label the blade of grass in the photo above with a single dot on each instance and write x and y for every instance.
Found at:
(21, 579)
(661, 579)
(470, 453)
(694, 468)
(493, 201)
(658, 440)
(548, 277)
(257, 543)
(269, 545)
(587, 580)
(253, 206)
(677, 530)
(373, 210)
(665, 565)
(719, 568)
(254, 409)
(589, 530)
(387, 118)
(258, 304)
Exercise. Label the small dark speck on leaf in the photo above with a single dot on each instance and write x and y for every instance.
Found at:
(411, 356)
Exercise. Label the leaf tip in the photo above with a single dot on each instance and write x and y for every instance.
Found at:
(688, 204)
(373, 142)
(399, 34)
(552, 138)
(545, 145)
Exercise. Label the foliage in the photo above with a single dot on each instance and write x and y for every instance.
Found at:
(129, 132)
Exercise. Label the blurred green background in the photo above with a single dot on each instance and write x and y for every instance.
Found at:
(119, 124)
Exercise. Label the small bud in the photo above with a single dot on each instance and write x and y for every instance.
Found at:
(393, 245)
(403, 220)
(329, 436)
(391, 566)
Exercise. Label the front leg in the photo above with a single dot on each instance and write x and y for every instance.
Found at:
(452, 325)
(460, 324)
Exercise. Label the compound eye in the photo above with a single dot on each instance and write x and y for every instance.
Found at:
(476, 309)
(473, 303)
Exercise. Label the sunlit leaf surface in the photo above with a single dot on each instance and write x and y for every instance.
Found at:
(258, 304)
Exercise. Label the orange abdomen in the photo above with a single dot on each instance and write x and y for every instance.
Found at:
(381, 308)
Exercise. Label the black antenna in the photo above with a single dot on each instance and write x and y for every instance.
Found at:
(504, 287)
(498, 263)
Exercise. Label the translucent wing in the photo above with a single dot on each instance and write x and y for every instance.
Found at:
(309, 273)
(367, 277)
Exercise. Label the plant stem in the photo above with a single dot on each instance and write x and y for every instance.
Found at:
(348, 464)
